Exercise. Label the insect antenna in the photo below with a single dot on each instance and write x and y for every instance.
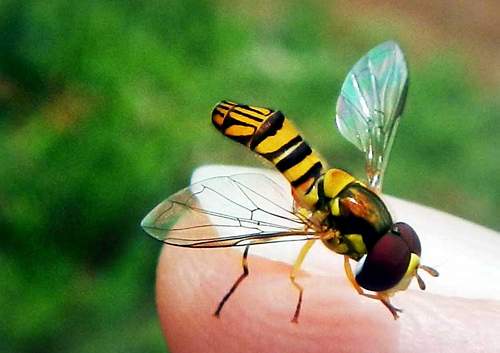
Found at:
(430, 271)
(420, 281)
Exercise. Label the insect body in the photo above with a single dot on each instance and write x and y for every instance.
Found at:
(332, 200)
(330, 205)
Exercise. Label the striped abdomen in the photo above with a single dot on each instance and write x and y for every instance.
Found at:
(270, 134)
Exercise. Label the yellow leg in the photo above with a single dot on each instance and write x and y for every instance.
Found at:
(293, 274)
(350, 275)
(378, 296)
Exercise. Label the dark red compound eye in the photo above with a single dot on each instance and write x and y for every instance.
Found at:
(409, 236)
(387, 262)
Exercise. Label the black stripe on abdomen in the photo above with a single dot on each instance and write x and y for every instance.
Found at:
(313, 172)
(274, 154)
(295, 157)
(269, 128)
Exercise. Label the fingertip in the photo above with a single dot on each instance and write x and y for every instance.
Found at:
(448, 324)
(191, 283)
(257, 317)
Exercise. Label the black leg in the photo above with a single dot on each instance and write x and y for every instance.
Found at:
(236, 284)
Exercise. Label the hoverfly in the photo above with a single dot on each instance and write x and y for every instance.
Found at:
(329, 205)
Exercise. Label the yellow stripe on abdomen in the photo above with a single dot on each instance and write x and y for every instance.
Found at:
(277, 139)
(270, 134)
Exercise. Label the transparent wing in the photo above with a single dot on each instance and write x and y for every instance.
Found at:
(226, 211)
(370, 104)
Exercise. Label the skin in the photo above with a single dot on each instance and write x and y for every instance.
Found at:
(459, 311)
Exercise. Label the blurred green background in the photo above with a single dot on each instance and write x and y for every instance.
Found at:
(105, 110)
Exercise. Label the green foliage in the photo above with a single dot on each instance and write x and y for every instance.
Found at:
(105, 111)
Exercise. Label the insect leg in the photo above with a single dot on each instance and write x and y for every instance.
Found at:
(244, 263)
(350, 275)
(386, 301)
(296, 267)
(394, 311)
(383, 298)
